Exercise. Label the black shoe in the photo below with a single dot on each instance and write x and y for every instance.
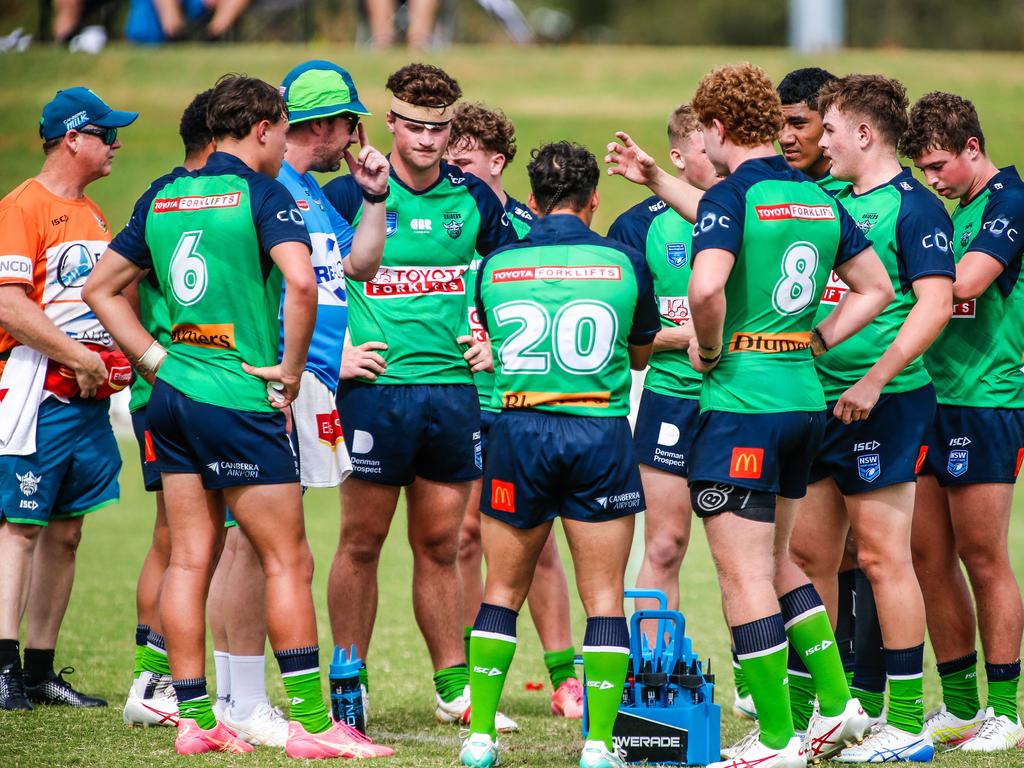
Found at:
(12, 688)
(57, 690)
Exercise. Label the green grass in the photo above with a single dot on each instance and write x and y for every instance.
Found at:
(579, 93)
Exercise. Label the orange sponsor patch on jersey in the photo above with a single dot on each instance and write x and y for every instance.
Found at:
(212, 336)
(746, 463)
(503, 496)
(769, 343)
(562, 399)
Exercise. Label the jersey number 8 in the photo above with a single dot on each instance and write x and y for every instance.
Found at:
(188, 270)
(796, 288)
(582, 334)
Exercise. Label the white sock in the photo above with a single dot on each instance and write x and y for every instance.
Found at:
(220, 660)
(248, 686)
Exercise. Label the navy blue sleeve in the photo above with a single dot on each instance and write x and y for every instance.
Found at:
(720, 216)
(646, 317)
(495, 229)
(924, 238)
(851, 238)
(1002, 228)
(632, 226)
(275, 215)
(130, 242)
(345, 195)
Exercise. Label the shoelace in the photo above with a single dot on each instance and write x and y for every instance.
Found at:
(988, 728)
(64, 671)
(16, 683)
(746, 742)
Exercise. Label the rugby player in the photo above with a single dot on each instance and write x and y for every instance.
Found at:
(975, 449)
(880, 395)
(802, 127)
(567, 401)
(59, 460)
(416, 423)
(483, 142)
(765, 240)
(151, 699)
(225, 236)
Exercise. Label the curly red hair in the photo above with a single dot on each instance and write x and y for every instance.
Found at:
(743, 98)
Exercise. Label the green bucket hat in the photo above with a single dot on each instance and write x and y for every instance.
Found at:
(319, 89)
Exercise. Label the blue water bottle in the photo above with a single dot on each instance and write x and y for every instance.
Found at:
(346, 693)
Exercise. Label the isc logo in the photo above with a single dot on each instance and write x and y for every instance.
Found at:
(420, 225)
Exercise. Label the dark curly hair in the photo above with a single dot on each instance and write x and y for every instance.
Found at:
(239, 102)
(743, 98)
(941, 121)
(803, 85)
(490, 128)
(424, 85)
(562, 174)
(877, 99)
(194, 132)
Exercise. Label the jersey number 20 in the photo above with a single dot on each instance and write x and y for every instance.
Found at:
(582, 334)
(188, 270)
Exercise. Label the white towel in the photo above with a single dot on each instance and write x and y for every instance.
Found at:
(23, 379)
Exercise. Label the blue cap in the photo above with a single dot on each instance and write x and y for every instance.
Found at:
(319, 89)
(73, 108)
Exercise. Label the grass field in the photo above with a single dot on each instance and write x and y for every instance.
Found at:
(579, 93)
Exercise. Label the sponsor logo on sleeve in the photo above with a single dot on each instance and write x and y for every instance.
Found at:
(516, 274)
(746, 463)
(302, 205)
(676, 254)
(400, 282)
(213, 336)
(196, 202)
(869, 467)
(769, 343)
(784, 211)
(16, 268)
(1001, 226)
(956, 463)
(503, 496)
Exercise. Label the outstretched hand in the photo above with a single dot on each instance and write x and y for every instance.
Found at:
(369, 168)
(629, 160)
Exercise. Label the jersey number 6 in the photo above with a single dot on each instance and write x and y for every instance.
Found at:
(188, 270)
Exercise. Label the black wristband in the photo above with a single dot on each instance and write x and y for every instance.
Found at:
(372, 198)
(709, 360)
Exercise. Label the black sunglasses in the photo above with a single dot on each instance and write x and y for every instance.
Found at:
(107, 135)
(353, 121)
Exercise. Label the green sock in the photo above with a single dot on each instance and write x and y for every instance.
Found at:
(140, 652)
(1002, 688)
(466, 632)
(903, 669)
(739, 677)
(766, 676)
(155, 661)
(141, 638)
(849, 678)
(801, 698)
(364, 677)
(811, 637)
(307, 701)
(873, 702)
(492, 656)
(200, 710)
(561, 665)
(451, 681)
(959, 679)
(605, 672)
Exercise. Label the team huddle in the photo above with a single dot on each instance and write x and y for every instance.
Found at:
(833, 387)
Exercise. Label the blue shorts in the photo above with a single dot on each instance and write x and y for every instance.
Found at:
(760, 451)
(398, 432)
(487, 419)
(541, 466)
(150, 474)
(73, 471)
(225, 447)
(885, 449)
(967, 446)
(664, 431)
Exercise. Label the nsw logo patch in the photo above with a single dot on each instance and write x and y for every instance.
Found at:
(390, 223)
(956, 465)
(869, 467)
(676, 254)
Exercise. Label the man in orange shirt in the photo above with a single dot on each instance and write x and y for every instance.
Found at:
(58, 456)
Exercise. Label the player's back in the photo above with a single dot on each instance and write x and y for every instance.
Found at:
(560, 307)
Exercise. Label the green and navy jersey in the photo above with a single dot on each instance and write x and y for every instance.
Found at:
(206, 236)
(416, 304)
(561, 308)
(152, 307)
(911, 232)
(977, 360)
(522, 219)
(831, 184)
(666, 239)
(786, 234)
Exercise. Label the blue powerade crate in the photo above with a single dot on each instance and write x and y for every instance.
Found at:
(668, 714)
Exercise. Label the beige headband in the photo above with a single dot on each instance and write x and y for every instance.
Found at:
(417, 114)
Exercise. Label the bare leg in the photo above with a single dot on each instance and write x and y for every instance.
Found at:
(17, 543)
(949, 608)
(67, 15)
(549, 599)
(245, 615)
(666, 535)
(471, 557)
(171, 20)
(216, 605)
(599, 554)
(380, 14)
(818, 541)
(514, 553)
(743, 554)
(225, 14)
(147, 591)
(366, 513)
(435, 516)
(53, 575)
(422, 15)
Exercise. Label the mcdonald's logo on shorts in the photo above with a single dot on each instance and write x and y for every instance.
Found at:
(503, 496)
(747, 463)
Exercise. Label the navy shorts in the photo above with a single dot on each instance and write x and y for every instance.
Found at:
(543, 465)
(487, 419)
(760, 451)
(147, 458)
(396, 433)
(664, 430)
(885, 449)
(73, 471)
(975, 445)
(225, 447)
